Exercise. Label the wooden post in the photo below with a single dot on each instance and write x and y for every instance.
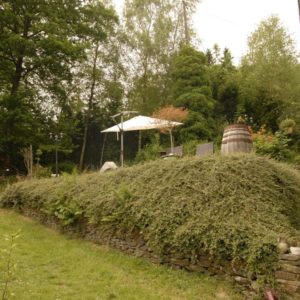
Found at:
(172, 141)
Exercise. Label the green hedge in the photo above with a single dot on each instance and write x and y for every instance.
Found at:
(231, 208)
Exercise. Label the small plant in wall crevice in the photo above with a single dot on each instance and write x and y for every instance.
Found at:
(7, 265)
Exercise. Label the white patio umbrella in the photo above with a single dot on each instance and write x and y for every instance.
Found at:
(142, 123)
(139, 123)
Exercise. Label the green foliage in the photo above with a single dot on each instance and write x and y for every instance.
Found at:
(121, 199)
(276, 146)
(224, 84)
(153, 32)
(41, 172)
(40, 45)
(7, 265)
(269, 86)
(189, 148)
(230, 208)
(190, 89)
(287, 126)
(150, 151)
(64, 208)
(67, 167)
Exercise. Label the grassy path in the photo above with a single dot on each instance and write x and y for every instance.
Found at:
(53, 266)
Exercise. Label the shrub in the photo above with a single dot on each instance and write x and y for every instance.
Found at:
(41, 172)
(150, 151)
(230, 208)
(67, 167)
(190, 147)
(276, 146)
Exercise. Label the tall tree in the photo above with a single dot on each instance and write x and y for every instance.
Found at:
(270, 75)
(40, 42)
(224, 83)
(191, 90)
(92, 72)
(154, 30)
(299, 8)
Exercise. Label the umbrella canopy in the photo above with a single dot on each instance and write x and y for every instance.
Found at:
(142, 123)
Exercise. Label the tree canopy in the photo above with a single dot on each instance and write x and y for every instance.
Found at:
(67, 66)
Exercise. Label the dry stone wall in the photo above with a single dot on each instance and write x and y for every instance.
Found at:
(288, 274)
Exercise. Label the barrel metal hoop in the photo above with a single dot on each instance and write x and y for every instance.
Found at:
(249, 141)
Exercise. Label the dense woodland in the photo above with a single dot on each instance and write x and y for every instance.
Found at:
(67, 66)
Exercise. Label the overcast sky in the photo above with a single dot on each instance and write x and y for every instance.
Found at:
(230, 22)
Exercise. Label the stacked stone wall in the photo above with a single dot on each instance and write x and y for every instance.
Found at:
(288, 274)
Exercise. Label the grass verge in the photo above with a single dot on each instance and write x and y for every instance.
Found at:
(53, 266)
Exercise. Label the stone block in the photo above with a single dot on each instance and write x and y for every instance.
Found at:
(195, 268)
(179, 262)
(291, 269)
(290, 286)
(290, 262)
(287, 276)
(290, 257)
(108, 166)
(204, 262)
(156, 259)
(139, 253)
(241, 280)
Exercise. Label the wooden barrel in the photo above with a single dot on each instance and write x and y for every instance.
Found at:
(236, 138)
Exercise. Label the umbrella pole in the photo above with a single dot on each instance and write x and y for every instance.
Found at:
(171, 141)
(102, 151)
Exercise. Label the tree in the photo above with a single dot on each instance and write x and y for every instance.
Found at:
(191, 90)
(35, 49)
(40, 44)
(299, 7)
(153, 29)
(92, 73)
(270, 76)
(224, 83)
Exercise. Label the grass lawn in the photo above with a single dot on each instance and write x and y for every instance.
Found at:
(52, 266)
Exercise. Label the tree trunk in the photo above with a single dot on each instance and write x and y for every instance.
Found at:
(89, 110)
(15, 84)
(299, 8)
(17, 77)
(186, 30)
(28, 160)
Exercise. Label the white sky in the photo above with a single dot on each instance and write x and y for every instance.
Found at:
(230, 22)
